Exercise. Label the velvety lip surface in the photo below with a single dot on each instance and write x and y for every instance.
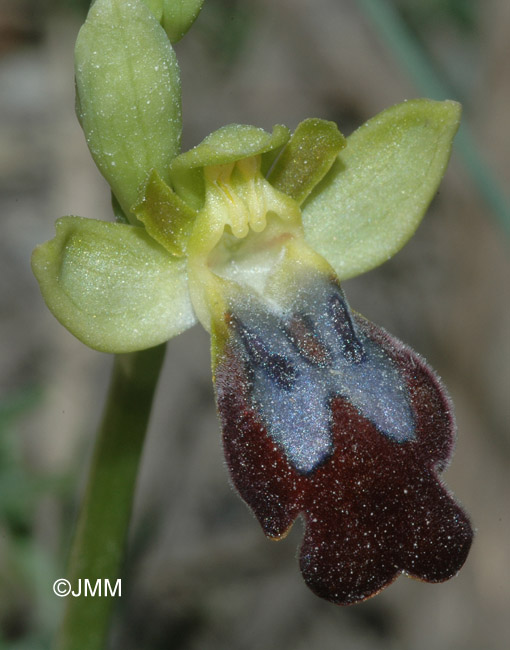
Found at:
(373, 504)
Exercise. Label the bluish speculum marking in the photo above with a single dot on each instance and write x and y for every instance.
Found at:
(352, 347)
(294, 376)
(278, 369)
(294, 413)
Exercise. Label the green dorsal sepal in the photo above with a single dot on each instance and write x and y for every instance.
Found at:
(226, 145)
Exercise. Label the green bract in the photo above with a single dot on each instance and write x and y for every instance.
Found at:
(225, 213)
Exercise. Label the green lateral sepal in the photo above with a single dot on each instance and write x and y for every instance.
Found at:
(374, 196)
(112, 285)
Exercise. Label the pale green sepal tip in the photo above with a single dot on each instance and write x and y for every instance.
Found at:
(178, 16)
(128, 95)
(377, 191)
(306, 158)
(112, 285)
(165, 215)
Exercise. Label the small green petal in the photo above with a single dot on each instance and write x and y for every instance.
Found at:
(375, 195)
(166, 217)
(112, 285)
(179, 15)
(128, 95)
(226, 145)
(306, 159)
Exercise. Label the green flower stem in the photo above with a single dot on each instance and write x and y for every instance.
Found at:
(98, 547)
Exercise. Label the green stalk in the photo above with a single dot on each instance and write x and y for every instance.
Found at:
(100, 538)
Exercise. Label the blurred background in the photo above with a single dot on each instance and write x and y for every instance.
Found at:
(200, 574)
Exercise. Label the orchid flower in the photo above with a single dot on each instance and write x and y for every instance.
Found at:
(323, 414)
